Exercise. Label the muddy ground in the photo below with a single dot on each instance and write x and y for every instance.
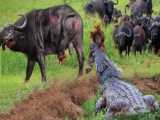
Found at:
(65, 99)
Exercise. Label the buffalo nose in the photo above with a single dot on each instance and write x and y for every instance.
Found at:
(9, 36)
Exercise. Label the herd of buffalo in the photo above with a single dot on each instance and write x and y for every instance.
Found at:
(137, 32)
(52, 30)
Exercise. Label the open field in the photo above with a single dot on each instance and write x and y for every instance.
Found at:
(12, 65)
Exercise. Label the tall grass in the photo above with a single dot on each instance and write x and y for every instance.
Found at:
(13, 64)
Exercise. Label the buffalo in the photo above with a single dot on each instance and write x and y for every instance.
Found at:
(139, 7)
(45, 31)
(155, 35)
(104, 8)
(139, 39)
(123, 36)
(149, 8)
(145, 22)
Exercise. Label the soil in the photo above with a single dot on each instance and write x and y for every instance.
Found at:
(148, 85)
(65, 99)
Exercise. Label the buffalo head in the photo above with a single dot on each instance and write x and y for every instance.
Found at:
(124, 34)
(122, 38)
(89, 8)
(144, 21)
(7, 36)
(104, 8)
(10, 35)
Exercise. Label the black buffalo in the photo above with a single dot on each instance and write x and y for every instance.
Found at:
(123, 36)
(139, 39)
(146, 22)
(155, 35)
(45, 31)
(139, 7)
(149, 9)
(104, 8)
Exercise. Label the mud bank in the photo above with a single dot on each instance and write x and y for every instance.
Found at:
(65, 99)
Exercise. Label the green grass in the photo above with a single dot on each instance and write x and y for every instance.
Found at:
(12, 89)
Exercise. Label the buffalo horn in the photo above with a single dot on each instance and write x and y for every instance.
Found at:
(23, 25)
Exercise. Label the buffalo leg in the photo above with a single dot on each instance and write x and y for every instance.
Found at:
(140, 51)
(156, 49)
(30, 66)
(128, 50)
(41, 62)
(120, 52)
(100, 104)
(135, 52)
(80, 55)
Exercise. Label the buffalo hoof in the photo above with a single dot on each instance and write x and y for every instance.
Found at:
(25, 81)
(44, 80)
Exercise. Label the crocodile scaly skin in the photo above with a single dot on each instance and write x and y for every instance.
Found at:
(117, 94)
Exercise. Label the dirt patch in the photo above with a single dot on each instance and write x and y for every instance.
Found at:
(82, 90)
(65, 99)
(148, 85)
(55, 103)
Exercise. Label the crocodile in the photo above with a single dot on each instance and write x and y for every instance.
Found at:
(118, 95)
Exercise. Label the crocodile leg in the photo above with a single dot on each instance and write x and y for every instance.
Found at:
(118, 107)
(151, 102)
(100, 104)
